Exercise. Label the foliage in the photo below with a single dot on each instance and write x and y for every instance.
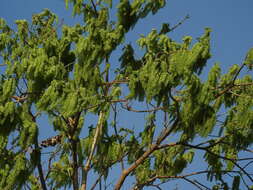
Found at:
(66, 76)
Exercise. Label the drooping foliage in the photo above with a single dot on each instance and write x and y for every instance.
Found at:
(66, 75)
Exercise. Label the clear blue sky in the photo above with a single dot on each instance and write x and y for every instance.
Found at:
(230, 20)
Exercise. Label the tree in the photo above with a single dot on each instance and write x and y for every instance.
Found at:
(67, 76)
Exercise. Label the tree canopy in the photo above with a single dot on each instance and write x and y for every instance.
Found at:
(66, 74)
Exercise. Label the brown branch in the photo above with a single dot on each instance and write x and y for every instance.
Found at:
(167, 145)
(232, 83)
(238, 95)
(96, 182)
(166, 132)
(20, 99)
(244, 84)
(93, 146)
(120, 100)
(228, 88)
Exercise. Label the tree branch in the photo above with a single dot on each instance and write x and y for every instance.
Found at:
(38, 156)
(232, 83)
(180, 23)
(52, 156)
(237, 73)
(75, 165)
(129, 108)
(151, 180)
(116, 132)
(94, 7)
(39, 166)
(166, 132)
(219, 156)
(74, 124)
(194, 183)
(96, 182)
(93, 146)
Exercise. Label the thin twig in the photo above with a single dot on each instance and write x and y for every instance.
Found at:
(237, 73)
(116, 132)
(232, 83)
(206, 188)
(129, 108)
(193, 183)
(50, 160)
(156, 186)
(180, 23)
(247, 164)
(219, 156)
(96, 182)
(94, 7)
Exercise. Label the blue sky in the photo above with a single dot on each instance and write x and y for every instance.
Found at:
(230, 20)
